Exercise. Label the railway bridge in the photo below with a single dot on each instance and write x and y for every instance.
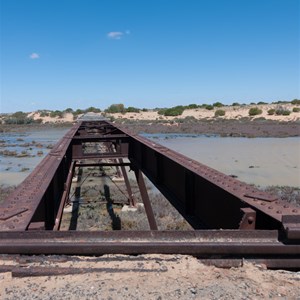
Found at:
(231, 220)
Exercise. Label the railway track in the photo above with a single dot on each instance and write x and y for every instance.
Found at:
(231, 220)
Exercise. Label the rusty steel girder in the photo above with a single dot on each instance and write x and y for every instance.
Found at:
(206, 198)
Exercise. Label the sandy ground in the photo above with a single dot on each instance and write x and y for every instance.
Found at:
(231, 112)
(150, 277)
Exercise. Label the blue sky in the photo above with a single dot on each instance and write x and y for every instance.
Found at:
(147, 53)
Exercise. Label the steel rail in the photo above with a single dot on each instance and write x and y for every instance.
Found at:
(197, 243)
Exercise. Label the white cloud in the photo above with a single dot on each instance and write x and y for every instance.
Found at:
(115, 35)
(34, 55)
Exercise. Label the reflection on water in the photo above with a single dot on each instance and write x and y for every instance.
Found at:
(262, 161)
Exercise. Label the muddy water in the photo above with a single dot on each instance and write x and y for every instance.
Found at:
(262, 161)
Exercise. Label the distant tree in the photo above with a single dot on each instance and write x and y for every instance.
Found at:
(174, 111)
(280, 102)
(116, 108)
(18, 117)
(56, 113)
(69, 110)
(192, 106)
(261, 103)
(236, 104)
(43, 113)
(209, 107)
(161, 111)
(78, 112)
(133, 109)
(93, 109)
(295, 102)
(218, 104)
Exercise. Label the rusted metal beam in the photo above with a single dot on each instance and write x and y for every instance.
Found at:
(64, 196)
(199, 243)
(103, 164)
(101, 137)
(131, 198)
(146, 200)
(202, 193)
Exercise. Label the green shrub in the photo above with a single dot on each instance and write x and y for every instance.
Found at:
(18, 117)
(296, 109)
(116, 108)
(174, 111)
(44, 114)
(209, 107)
(218, 104)
(282, 111)
(161, 111)
(56, 113)
(271, 111)
(69, 110)
(219, 113)
(295, 102)
(189, 119)
(93, 109)
(254, 111)
(235, 104)
(132, 109)
(192, 106)
(78, 112)
(261, 103)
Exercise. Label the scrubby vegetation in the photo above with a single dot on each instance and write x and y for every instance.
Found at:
(173, 111)
(56, 113)
(120, 108)
(295, 102)
(19, 117)
(254, 111)
(116, 108)
(281, 111)
(219, 113)
(218, 104)
(132, 109)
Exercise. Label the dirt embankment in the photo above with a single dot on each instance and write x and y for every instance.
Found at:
(148, 277)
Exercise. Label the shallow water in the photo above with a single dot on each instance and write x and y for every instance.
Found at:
(260, 161)
(13, 170)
